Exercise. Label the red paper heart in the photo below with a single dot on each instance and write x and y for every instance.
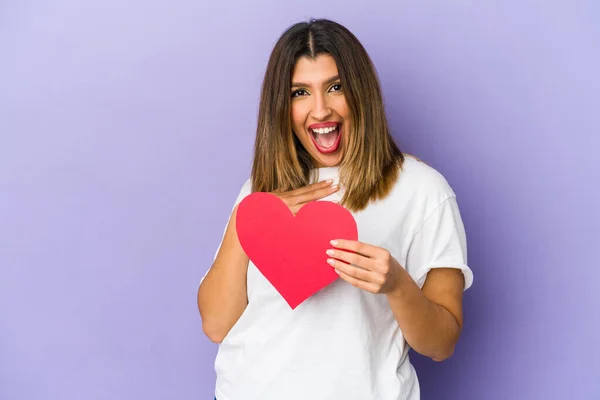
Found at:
(290, 251)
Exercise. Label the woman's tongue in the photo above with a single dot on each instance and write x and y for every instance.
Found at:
(326, 140)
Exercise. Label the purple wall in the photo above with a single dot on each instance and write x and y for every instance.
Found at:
(127, 129)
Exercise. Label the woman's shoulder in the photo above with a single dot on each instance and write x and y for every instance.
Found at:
(421, 178)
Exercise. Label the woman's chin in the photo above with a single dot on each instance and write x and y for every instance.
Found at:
(328, 160)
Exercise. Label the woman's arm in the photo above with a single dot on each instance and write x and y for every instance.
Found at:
(431, 319)
(222, 296)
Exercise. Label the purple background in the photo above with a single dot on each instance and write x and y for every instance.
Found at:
(127, 131)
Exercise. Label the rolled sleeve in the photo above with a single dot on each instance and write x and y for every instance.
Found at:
(440, 242)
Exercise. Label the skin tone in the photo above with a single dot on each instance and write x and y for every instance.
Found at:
(317, 96)
(222, 296)
(431, 317)
(296, 199)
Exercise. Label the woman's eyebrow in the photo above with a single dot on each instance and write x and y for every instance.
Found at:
(328, 81)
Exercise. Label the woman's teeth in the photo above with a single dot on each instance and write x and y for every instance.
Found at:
(322, 131)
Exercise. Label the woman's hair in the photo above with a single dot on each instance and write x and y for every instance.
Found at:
(372, 160)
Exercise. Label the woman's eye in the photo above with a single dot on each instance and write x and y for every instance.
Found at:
(299, 92)
(337, 87)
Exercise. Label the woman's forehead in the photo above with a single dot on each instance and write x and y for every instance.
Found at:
(314, 71)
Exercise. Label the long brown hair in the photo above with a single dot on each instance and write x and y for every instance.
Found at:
(372, 160)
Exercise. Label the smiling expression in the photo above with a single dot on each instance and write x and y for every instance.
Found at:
(320, 115)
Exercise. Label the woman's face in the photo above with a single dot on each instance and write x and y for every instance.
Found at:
(320, 115)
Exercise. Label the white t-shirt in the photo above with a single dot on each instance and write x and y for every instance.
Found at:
(344, 342)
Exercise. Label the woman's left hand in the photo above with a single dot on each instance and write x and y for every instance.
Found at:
(367, 267)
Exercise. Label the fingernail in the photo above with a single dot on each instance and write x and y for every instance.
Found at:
(329, 181)
(330, 261)
(330, 253)
(334, 242)
(334, 186)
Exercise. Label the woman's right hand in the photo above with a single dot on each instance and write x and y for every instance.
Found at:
(296, 199)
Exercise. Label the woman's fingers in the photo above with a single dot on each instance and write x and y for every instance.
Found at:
(295, 199)
(361, 248)
(360, 271)
(316, 194)
(354, 259)
(319, 186)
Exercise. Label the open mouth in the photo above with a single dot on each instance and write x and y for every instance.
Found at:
(327, 140)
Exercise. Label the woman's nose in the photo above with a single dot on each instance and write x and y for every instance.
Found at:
(321, 108)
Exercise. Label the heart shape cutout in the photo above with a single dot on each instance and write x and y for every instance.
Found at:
(290, 250)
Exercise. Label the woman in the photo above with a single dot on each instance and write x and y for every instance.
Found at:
(401, 284)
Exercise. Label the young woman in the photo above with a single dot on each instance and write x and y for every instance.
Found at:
(322, 135)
